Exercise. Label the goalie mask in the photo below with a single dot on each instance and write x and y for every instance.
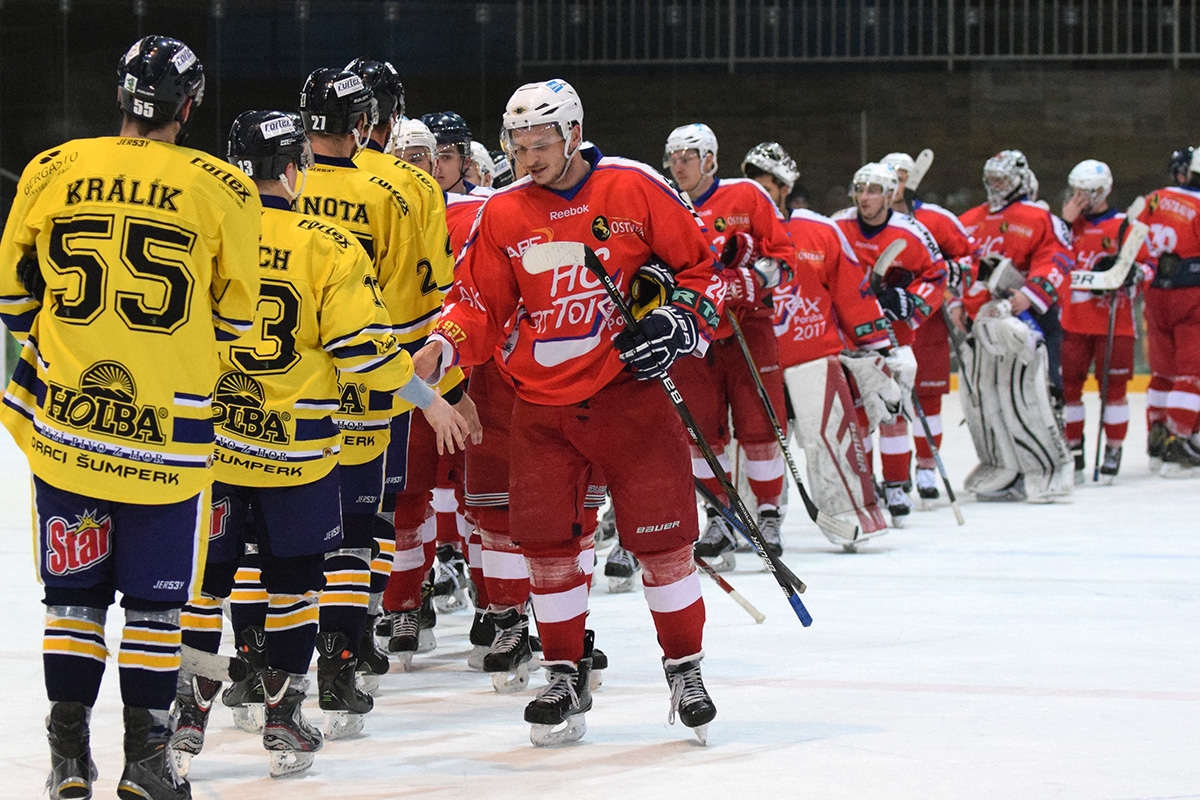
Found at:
(698, 137)
(553, 102)
(1180, 163)
(155, 79)
(263, 143)
(1092, 177)
(1008, 178)
(772, 159)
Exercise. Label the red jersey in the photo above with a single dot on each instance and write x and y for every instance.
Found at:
(1085, 312)
(1038, 243)
(1173, 215)
(560, 351)
(828, 302)
(734, 205)
(920, 270)
(461, 210)
(951, 236)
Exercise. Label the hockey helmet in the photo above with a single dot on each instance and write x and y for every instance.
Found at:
(1093, 177)
(482, 159)
(449, 128)
(262, 144)
(900, 161)
(156, 77)
(553, 102)
(1007, 178)
(334, 100)
(502, 173)
(696, 136)
(875, 174)
(772, 159)
(383, 80)
(414, 133)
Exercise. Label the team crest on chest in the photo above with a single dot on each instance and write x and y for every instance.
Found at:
(600, 229)
(719, 224)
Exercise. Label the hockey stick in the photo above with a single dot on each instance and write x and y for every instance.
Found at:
(847, 531)
(884, 262)
(549, 256)
(1114, 278)
(711, 499)
(1108, 350)
(923, 162)
(212, 666)
(729, 590)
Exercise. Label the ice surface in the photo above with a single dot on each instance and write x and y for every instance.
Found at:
(1037, 652)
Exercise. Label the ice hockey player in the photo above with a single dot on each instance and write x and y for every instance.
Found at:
(502, 172)
(745, 227)
(1173, 325)
(276, 472)
(481, 168)
(1097, 232)
(828, 299)
(574, 393)
(910, 291)
(414, 143)
(1011, 361)
(452, 158)
(127, 259)
(932, 344)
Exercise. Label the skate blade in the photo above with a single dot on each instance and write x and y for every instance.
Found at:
(404, 661)
(342, 724)
(289, 762)
(248, 718)
(1106, 480)
(183, 762)
(511, 682)
(900, 521)
(450, 603)
(595, 679)
(426, 641)
(1155, 464)
(570, 730)
(701, 732)
(475, 657)
(620, 585)
(368, 682)
(722, 563)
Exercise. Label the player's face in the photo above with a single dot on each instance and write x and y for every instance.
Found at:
(871, 201)
(539, 152)
(448, 166)
(474, 176)
(419, 157)
(687, 168)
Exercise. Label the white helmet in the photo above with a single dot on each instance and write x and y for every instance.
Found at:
(552, 102)
(1009, 170)
(772, 159)
(698, 137)
(900, 161)
(882, 175)
(482, 158)
(413, 133)
(1093, 177)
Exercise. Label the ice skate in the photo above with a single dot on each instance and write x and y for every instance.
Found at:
(927, 488)
(405, 637)
(599, 664)
(620, 567)
(1014, 492)
(149, 769)
(193, 702)
(371, 662)
(899, 503)
(451, 583)
(606, 531)
(508, 659)
(689, 699)
(244, 698)
(1156, 441)
(769, 523)
(344, 705)
(1077, 455)
(287, 735)
(426, 641)
(72, 770)
(1180, 457)
(717, 546)
(1111, 465)
(556, 715)
(483, 633)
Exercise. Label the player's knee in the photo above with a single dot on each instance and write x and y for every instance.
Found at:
(667, 566)
(90, 597)
(219, 577)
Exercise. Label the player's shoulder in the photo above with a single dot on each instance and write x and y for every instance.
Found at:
(618, 166)
(935, 212)
(54, 163)
(975, 214)
(748, 188)
(219, 177)
(808, 217)
(454, 199)
(848, 214)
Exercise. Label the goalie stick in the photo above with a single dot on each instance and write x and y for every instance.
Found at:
(1112, 279)
(729, 590)
(846, 532)
(548, 256)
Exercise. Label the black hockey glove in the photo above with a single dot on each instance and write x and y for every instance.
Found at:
(663, 335)
(30, 274)
(652, 286)
(1103, 264)
(897, 304)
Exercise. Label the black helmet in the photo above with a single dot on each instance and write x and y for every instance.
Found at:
(156, 77)
(332, 101)
(1180, 163)
(449, 128)
(384, 81)
(263, 143)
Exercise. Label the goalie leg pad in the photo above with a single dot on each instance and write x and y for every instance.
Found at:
(1037, 437)
(826, 426)
(997, 466)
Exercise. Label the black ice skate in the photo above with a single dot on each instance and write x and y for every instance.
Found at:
(287, 735)
(717, 544)
(1080, 459)
(245, 697)
(508, 659)
(149, 770)
(72, 770)
(1156, 442)
(689, 699)
(483, 632)
(193, 700)
(451, 582)
(404, 640)
(599, 663)
(1111, 464)
(620, 568)
(341, 700)
(769, 523)
(371, 662)
(556, 715)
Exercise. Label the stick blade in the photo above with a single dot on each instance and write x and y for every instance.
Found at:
(549, 256)
(924, 161)
(889, 254)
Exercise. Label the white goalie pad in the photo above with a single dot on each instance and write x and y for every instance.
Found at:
(881, 395)
(1004, 335)
(826, 426)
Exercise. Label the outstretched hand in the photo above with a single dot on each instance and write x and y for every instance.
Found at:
(449, 426)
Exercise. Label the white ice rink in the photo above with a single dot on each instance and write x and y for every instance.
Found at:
(1037, 652)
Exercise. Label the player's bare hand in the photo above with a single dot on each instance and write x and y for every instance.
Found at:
(426, 360)
(1019, 302)
(448, 425)
(958, 318)
(466, 407)
(1075, 205)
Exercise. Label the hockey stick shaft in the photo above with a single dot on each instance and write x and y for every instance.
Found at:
(729, 590)
(212, 666)
(1108, 350)
(845, 530)
(937, 457)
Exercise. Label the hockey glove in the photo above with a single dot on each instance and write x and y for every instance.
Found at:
(651, 287)
(662, 336)
(29, 272)
(902, 364)
(897, 304)
(740, 251)
(742, 289)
